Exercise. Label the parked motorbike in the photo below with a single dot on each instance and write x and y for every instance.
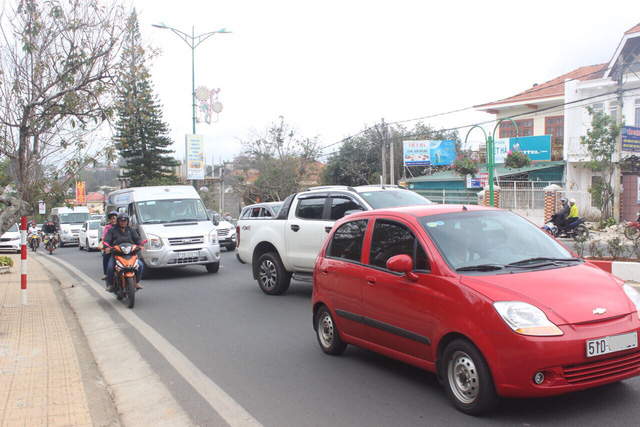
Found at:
(575, 229)
(632, 229)
(126, 264)
(34, 241)
(50, 242)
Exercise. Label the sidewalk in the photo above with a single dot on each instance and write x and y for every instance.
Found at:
(41, 380)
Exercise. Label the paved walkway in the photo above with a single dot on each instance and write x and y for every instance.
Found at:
(40, 376)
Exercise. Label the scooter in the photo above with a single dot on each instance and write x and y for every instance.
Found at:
(50, 242)
(126, 264)
(632, 229)
(34, 241)
(575, 229)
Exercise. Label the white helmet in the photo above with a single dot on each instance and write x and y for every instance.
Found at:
(572, 201)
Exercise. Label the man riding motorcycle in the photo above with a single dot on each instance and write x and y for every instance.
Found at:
(50, 228)
(118, 234)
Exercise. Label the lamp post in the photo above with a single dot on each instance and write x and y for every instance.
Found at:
(491, 154)
(193, 42)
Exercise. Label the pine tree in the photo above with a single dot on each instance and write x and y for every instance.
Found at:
(140, 134)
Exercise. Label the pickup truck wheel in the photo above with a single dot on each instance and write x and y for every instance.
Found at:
(272, 277)
(213, 267)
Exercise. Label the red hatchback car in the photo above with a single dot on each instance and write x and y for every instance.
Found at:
(481, 297)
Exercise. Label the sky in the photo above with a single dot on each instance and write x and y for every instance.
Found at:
(333, 68)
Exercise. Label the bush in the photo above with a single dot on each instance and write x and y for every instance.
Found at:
(5, 260)
(606, 223)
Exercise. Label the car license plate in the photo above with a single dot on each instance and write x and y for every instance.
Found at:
(193, 254)
(611, 344)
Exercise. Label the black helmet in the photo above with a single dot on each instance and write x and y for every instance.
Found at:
(112, 213)
(123, 215)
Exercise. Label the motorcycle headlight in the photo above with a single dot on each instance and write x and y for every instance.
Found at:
(125, 249)
(526, 319)
(633, 295)
(154, 241)
(213, 237)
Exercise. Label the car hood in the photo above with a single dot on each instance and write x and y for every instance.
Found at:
(568, 295)
(224, 225)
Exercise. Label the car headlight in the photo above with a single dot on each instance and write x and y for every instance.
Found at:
(633, 295)
(526, 319)
(213, 236)
(232, 231)
(66, 231)
(154, 241)
(15, 238)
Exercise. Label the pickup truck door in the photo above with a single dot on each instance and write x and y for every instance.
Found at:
(305, 230)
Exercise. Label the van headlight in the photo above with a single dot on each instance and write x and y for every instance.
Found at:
(154, 241)
(526, 319)
(633, 295)
(213, 237)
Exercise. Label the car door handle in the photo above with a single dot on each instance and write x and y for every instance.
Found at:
(295, 227)
(371, 280)
(325, 271)
(328, 229)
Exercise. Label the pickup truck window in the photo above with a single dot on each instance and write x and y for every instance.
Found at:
(342, 204)
(310, 208)
(346, 242)
(392, 198)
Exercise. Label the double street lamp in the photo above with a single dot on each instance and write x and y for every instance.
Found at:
(193, 42)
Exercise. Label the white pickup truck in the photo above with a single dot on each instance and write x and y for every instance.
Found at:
(286, 246)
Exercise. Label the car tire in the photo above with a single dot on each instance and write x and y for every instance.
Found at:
(467, 378)
(87, 247)
(273, 279)
(231, 247)
(213, 267)
(79, 246)
(327, 333)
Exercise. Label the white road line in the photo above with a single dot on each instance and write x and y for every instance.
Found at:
(221, 402)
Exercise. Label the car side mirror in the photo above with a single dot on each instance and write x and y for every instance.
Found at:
(402, 264)
(215, 221)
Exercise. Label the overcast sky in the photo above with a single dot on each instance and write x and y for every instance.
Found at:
(331, 68)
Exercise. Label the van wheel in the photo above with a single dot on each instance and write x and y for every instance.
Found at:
(213, 267)
(467, 378)
(327, 333)
(231, 247)
(272, 277)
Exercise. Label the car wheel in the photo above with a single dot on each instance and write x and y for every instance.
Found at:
(231, 247)
(79, 246)
(213, 267)
(327, 333)
(87, 247)
(467, 378)
(272, 277)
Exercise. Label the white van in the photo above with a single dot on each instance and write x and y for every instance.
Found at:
(174, 221)
(69, 221)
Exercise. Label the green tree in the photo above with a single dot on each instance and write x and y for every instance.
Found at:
(58, 60)
(282, 160)
(600, 143)
(140, 134)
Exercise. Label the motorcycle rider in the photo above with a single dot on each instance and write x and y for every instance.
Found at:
(50, 228)
(573, 212)
(106, 254)
(560, 217)
(118, 234)
(33, 231)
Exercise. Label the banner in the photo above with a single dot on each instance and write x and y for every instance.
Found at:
(194, 147)
(42, 207)
(538, 148)
(428, 153)
(630, 138)
(80, 196)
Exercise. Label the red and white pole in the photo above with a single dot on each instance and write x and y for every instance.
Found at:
(23, 262)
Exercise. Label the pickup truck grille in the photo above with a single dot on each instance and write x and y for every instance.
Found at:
(223, 232)
(195, 240)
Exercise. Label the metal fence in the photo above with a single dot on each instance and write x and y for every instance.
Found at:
(527, 195)
(452, 196)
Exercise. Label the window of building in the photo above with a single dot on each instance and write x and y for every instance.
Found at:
(554, 126)
(598, 106)
(637, 121)
(613, 110)
(508, 130)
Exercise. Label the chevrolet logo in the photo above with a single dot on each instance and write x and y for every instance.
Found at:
(600, 311)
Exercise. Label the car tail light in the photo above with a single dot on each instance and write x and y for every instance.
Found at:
(237, 235)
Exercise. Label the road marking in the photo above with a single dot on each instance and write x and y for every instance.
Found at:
(221, 402)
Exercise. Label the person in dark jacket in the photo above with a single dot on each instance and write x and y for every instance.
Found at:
(122, 233)
(113, 220)
(50, 228)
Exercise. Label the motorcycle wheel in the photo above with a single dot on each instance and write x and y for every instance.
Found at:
(130, 291)
(549, 232)
(50, 248)
(580, 233)
(631, 232)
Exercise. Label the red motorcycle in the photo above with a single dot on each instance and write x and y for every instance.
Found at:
(126, 264)
(632, 229)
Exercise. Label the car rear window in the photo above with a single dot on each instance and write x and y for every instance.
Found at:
(392, 198)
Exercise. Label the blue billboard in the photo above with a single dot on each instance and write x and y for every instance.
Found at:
(538, 148)
(426, 153)
(630, 138)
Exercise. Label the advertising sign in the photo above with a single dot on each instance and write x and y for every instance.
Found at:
(481, 181)
(538, 148)
(42, 207)
(426, 153)
(195, 156)
(630, 138)
(80, 196)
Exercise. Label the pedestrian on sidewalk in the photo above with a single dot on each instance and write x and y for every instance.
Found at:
(106, 253)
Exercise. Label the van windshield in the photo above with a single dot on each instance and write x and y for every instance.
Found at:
(74, 218)
(164, 211)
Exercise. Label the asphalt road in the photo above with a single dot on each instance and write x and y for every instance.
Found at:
(262, 351)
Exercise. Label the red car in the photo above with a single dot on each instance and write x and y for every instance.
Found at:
(480, 296)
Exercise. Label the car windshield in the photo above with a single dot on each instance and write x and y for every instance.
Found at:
(74, 218)
(164, 211)
(94, 225)
(13, 229)
(392, 198)
(492, 241)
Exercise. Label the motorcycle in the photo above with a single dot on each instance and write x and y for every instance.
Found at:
(49, 242)
(126, 264)
(632, 229)
(575, 229)
(34, 241)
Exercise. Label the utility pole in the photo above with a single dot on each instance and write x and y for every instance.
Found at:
(617, 191)
(384, 155)
(392, 174)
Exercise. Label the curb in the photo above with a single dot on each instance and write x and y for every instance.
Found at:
(625, 270)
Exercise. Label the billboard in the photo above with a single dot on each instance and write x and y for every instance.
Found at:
(630, 138)
(538, 148)
(80, 195)
(428, 153)
(195, 156)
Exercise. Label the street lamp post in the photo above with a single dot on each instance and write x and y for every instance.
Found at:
(193, 42)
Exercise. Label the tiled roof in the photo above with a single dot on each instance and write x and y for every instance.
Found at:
(555, 87)
(635, 29)
(95, 197)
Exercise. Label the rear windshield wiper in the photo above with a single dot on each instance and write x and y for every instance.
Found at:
(540, 261)
(481, 267)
